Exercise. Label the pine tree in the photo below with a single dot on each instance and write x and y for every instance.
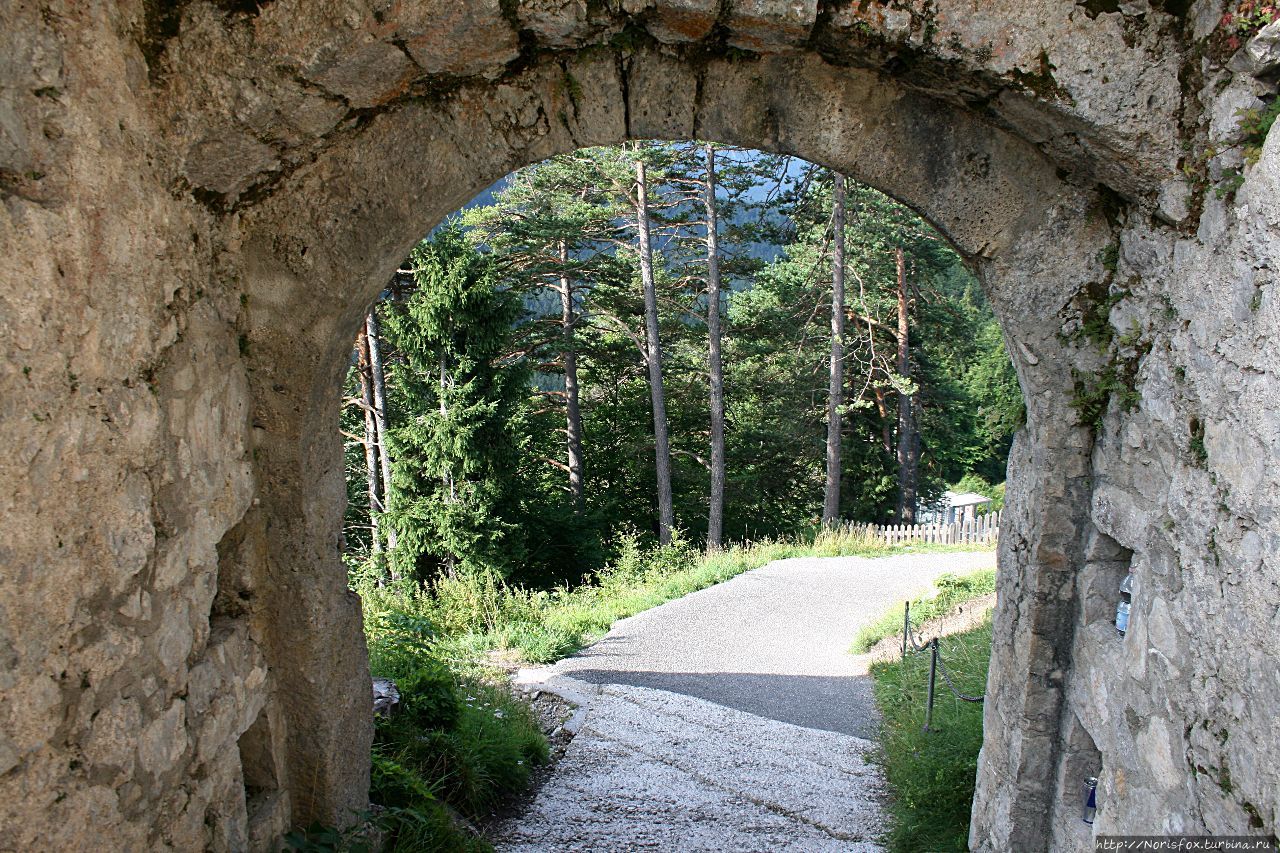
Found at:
(550, 228)
(908, 436)
(653, 353)
(374, 482)
(382, 424)
(495, 473)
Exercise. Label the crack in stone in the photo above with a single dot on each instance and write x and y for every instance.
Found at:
(624, 75)
(699, 94)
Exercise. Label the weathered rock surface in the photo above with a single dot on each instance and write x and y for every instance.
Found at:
(199, 199)
(386, 697)
(1263, 52)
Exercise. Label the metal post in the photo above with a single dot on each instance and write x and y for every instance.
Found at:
(906, 627)
(933, 674)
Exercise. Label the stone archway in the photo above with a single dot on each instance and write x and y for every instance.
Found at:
(989, 192)
(251, 172)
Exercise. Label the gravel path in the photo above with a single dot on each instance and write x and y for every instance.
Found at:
(731, 719)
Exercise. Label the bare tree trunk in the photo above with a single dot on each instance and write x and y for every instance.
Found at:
(835, 388)
(715, 515)
(374, 335)
(908, 450)
(444, 414)
(886, 431)
(370, 436)
(573, 414)
(450, 562)
(661, 442)
(913, 460)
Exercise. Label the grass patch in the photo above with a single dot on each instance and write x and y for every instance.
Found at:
(951, 590)
(467, 743)
(932, 773)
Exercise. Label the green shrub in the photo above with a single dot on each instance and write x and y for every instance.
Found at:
(427, 828)
(428, 698)
(453, 742)
(469, 601)
(974, 483)
(956, 589)
(540, 643)
(666, 560)
(500, 743)
(399, 641)
(483, 756)
(393, 785)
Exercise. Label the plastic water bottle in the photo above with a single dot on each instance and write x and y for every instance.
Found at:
(1126, 602)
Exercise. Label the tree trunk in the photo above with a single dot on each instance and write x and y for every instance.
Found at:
(374, 335)
(835, 388)
(444, 416)
(370, 436)
(908, 449)
(662, 446)
(450, 560)
(886, 429)
(573, 414)
(715, 516)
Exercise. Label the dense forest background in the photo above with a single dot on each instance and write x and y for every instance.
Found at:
(657, 341)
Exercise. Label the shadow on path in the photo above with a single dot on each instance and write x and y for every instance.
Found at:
(841, 704)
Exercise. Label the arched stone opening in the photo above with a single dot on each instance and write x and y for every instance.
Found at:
(320, 247)
(200, 199)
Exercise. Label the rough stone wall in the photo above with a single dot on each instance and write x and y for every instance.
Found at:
(201, 198)
(127, 457)
(1177, 714)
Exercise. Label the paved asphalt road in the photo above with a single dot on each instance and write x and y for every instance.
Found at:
(733, 718)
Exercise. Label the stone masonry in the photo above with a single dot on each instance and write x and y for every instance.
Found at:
(201, 198)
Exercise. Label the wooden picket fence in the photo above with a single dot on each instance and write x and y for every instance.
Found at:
(981, 530)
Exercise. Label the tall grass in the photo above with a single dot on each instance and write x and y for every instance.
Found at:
(949, 591)
(932, 773)
(478, 613)
(456, 744)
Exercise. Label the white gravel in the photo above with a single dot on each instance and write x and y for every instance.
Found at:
(731, 719)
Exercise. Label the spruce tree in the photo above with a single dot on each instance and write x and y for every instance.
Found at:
(456, 447)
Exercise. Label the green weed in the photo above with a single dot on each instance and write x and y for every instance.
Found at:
(455, 742)
(1254, 125)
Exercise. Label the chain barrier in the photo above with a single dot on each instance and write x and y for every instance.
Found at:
(936, 663)
(908, 636)
(946, 676)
